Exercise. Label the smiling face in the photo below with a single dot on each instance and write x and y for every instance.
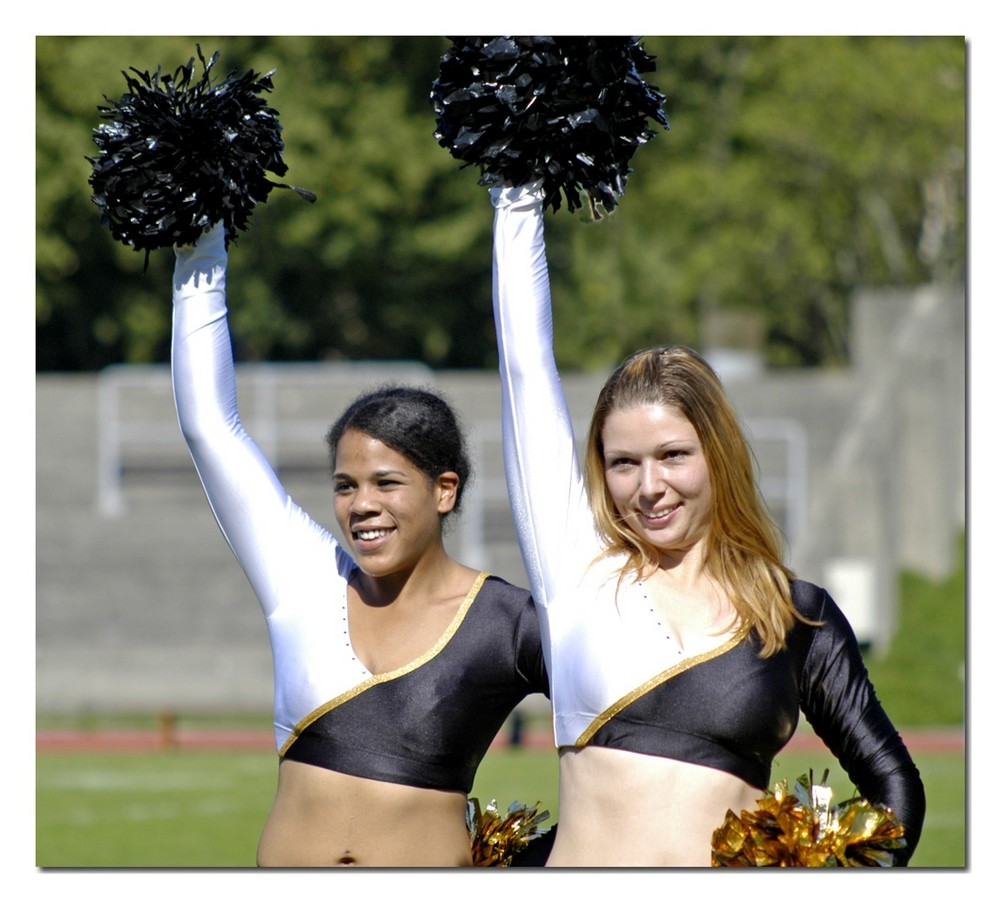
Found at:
(657, 475)
(388, 510)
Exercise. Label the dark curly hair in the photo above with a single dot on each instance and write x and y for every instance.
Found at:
(415, 422)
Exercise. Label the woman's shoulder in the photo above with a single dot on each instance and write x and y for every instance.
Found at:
(817, 605)
(813, 602)
(810, 600)
(505, 616)
(500, 599)
(499, 591)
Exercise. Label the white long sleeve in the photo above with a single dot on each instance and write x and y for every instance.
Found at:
(553, 520)
(251, 506)
(296, 568)
(597, 642)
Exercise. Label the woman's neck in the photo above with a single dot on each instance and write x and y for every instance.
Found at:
(436, 575)
(685, 568)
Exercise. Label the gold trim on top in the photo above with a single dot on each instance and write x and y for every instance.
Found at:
(377, 678)
(617, 707)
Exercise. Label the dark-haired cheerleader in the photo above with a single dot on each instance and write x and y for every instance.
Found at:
(395, 666)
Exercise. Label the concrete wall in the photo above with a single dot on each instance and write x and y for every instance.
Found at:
(140, 604)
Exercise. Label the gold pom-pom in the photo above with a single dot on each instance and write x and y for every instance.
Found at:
(802, 828)
(497, 839)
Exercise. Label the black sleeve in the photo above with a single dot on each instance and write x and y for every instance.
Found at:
(529, 653)
(838, 699)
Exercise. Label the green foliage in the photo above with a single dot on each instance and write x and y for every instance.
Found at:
(921, 679)
(795, 170)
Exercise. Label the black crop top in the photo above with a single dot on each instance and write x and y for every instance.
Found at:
(431, 726)
(734, 711)
(428, 723)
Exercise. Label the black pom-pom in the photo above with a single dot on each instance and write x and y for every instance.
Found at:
(179, 154)
(570, 111)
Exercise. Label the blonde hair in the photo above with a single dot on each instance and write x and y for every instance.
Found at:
(744, 548)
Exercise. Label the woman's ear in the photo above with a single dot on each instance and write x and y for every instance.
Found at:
(446, 487)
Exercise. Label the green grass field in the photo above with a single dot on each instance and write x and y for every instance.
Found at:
(206, 809)
(192, 809)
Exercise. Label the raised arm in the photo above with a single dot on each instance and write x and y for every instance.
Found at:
(553, 521)
(252, 508)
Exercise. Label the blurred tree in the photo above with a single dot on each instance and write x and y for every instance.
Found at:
(795, 170)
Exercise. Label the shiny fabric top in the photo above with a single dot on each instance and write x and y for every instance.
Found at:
(300, 573)
(733, 710)
(430, 723)
(616, 679)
